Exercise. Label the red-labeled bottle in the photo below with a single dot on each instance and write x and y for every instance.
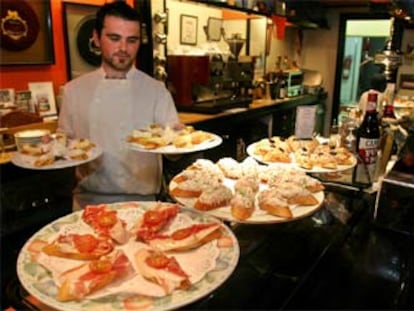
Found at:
(367, 142)
(388, 111)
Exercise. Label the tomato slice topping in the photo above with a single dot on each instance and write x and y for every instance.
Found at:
(186, 232)
(153, 218)
(100, 266)
(182, 233)
(85, 243)
(107, 219)
(157, 260)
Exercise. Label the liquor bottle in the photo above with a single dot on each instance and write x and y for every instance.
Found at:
(367, 142)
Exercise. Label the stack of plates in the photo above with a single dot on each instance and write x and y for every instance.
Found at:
(29, 137)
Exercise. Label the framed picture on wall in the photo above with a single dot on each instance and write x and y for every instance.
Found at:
(82, 55)
(26, 33)
(214, 29)
(188, 29)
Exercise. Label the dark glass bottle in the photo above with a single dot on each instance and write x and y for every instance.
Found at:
(388, 110)
(368, 135)
(282, 87)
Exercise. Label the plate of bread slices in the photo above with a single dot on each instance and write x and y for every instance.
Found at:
(247, 192)
(128, 256)
(157, 138)
(55, 152)
(314, 155)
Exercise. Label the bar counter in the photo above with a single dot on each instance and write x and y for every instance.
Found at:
(333, 259)
(336, 258)
(258, 108)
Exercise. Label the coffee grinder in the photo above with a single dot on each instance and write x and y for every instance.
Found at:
(215, 85)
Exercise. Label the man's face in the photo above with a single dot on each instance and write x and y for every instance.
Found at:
(119, 43)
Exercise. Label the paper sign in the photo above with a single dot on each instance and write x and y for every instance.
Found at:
(305, 121)
(44, 98)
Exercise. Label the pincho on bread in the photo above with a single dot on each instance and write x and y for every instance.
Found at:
(296, 194)
(186, 238)
(154, 220)
(91, 276)
(78, 246)
(106, 222)
(83, 143)
(160, 269)
(78, 154)
(242, 205)
(214, 197)
(44, 159)
(271, 201)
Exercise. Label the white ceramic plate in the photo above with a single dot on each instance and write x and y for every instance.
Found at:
(171, 149)
(315, 169)
(38, 281)
(259, 216)
(26, 161)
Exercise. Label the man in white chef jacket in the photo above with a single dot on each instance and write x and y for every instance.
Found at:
(106, 105)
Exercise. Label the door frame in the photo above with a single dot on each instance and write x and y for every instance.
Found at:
(344, 18)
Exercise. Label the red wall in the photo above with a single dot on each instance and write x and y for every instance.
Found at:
(17, 77)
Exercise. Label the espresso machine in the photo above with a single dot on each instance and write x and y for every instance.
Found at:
(209, 83)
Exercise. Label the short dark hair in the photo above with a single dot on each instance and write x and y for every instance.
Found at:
(118, 8)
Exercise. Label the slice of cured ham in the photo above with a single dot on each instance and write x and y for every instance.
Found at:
(186, 238)
(106, 222)
(158, 268)
(87, 278)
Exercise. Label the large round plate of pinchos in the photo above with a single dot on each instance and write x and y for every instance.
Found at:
(313, 155)
(56, 153)
(156, 138)
(247, 192)
(129, 255)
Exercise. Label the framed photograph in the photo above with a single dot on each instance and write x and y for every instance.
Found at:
(188, 29)
(26, 33)
(43, 99)
(214, 29)
(6, 98)
(24, 101)
(82, 55)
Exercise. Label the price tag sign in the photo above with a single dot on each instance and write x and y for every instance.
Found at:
(305, 121)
